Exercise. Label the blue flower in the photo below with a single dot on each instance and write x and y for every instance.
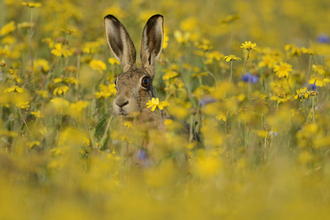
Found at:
(323, 38)
(142, 155)
(207, 99)
(250, 78)
(142, 158)
(312, 87)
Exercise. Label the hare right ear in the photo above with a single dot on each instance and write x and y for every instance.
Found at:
(152, 43)
(120, 42)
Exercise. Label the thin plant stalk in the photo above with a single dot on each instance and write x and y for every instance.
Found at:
(313, 108)
(231, 71)
(247, 58)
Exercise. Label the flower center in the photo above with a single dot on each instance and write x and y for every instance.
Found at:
(283, 68)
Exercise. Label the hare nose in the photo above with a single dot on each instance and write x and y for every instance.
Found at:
(122, 103)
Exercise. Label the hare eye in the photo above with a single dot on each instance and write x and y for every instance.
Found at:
(145, 82)
(116, 81)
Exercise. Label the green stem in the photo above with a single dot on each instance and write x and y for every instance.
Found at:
(313, 108)
(231, 71)
(191, 128)
(297, 61)
(309, 66)
(247, 58)
(30, 52)
(157, 117)
(231, 35)
(287, 79)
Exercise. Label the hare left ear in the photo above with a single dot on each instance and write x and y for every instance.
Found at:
(152, 43)
(120, 42)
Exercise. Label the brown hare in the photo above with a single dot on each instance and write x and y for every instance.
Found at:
(134, 85)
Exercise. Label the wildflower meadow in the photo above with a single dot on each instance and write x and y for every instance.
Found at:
(249, 79)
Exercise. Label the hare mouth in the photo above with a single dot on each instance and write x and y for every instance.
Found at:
(123, 114)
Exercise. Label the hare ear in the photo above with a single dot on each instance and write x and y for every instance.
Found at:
(120, 42)
(152, 43)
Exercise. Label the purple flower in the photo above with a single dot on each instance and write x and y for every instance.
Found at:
(250, 78)
(142, 155)
(323, 38)
(207, 99)
(312, 87)
(143, 158)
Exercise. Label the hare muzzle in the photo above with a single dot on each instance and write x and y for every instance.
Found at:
(121, 106)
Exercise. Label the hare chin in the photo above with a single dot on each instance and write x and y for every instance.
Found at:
(124, 115)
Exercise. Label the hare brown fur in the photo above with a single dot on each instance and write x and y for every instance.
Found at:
(134, 85)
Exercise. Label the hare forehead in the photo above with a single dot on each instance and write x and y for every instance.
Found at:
(130, 79)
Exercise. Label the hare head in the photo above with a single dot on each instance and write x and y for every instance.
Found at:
(134, 85)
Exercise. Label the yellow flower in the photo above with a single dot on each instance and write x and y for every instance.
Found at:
(59, 103)
(37, 114)
(23, 105)
(33, 144)
(60, 90)
(305, 157)
(191, 68)
(229, 19)
(115, 10)
(211, 56)
(165, 40)
(3, 63)
(106, 91)
(14, 89)
(308, 50)
(154, 103)
(25, 25)
(293, 50)
(86, 141)
(221, 116)
(199, 74)
(71, 69)
(79, 106)
(91, 47)
(189, 24)
(8, 133)
(113, 61)
(170, 74)
(31, 4)
(42, 64)
(231, 58)
(68, 31)
(43, 93)
(71, 80)
(319, 81)
(181, 38)
(283, 70)
(8, 40)
(49, 41)
(61, 50)
(249, 46)
(301, 94)
(318, 69)
(206, 167)
(8, 28)
(261, 133)
(267, 60)
(280, 98)
(98, 65)
(203, 44)
(58, 80)
(128, 124)
(168, 122)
